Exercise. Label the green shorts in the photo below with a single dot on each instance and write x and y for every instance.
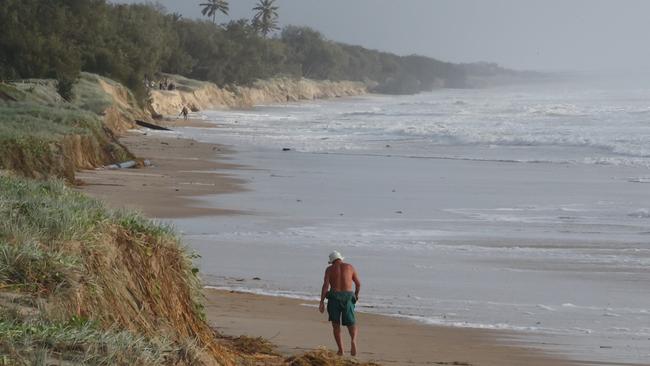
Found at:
(340, 307)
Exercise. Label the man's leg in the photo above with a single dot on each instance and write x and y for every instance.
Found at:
(336, 328)
(352, 329)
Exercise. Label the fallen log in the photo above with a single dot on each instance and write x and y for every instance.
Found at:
(151, 125)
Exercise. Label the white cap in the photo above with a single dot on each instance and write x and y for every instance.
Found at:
(334, 256)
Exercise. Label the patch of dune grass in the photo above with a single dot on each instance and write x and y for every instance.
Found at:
(69, 251)
(89, 96)
(36, 220)
(33, 139)
(29, 268)
(42, 342)
(184, 84)
(137, 223)
(36, 126)
(46, 212)
(21, 120)
(39, 91)
(10, 93)
(87, 93)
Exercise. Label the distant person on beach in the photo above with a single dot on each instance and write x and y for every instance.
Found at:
(185, 112)
(337, 288)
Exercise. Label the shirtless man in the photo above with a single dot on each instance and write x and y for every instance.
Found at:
(337, 288)
(185, 112)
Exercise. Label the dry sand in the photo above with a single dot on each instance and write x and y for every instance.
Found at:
(185, 169)
(181, 170)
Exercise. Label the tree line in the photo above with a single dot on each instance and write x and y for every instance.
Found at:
(134, 42)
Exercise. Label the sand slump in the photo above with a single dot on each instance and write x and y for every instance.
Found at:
(120, 116)
(203, 95)
(144, 283)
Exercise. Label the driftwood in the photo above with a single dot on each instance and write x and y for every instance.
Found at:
(151, 125)
(129, 164)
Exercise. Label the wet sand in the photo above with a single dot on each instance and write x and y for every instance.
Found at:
(184, 170)
(297, 326)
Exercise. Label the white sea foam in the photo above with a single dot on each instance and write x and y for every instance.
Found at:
(642, 213)
(546, 307)
(639, 180)
(263, 292)
(615, 130)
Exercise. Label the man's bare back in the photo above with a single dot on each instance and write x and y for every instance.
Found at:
(341, 277)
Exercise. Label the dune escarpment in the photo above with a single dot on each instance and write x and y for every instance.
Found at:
(204, 95)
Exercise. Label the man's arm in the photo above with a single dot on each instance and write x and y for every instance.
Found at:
(323, 292)
(357, 283)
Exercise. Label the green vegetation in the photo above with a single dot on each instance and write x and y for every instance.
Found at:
(42, 135)
(133, 43)
(42, 342)
(64, 86)
(69, 277)
(37, 222)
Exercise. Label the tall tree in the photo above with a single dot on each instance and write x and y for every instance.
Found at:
(212, 7)
(266, 17)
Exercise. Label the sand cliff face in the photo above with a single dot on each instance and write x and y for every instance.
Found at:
(120, 116)
(204, 95)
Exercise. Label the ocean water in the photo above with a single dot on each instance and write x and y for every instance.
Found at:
(520, 208)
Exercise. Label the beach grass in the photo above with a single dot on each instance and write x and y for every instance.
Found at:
(185, 84)
(41, 342)
(84, 284)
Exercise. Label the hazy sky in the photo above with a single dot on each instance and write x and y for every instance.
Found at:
(524, 34)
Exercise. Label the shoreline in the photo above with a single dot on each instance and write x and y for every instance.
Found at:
(184, 170)
(296, 326)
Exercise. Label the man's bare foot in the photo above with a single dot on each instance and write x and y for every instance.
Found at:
(353, 349)
(340, 352)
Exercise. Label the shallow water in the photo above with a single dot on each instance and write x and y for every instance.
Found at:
(514, 208)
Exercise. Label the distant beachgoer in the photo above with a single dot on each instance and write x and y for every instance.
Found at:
(337, 288)
(185, 112)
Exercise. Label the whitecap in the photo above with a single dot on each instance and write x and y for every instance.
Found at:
(642, 213)
(546, 307)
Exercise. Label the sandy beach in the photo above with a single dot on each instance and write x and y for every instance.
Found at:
(184, 170)
(181, 170)
(296, 326)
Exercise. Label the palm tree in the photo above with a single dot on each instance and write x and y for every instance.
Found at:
(176, 17)
(266, 18)
(212, 7)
